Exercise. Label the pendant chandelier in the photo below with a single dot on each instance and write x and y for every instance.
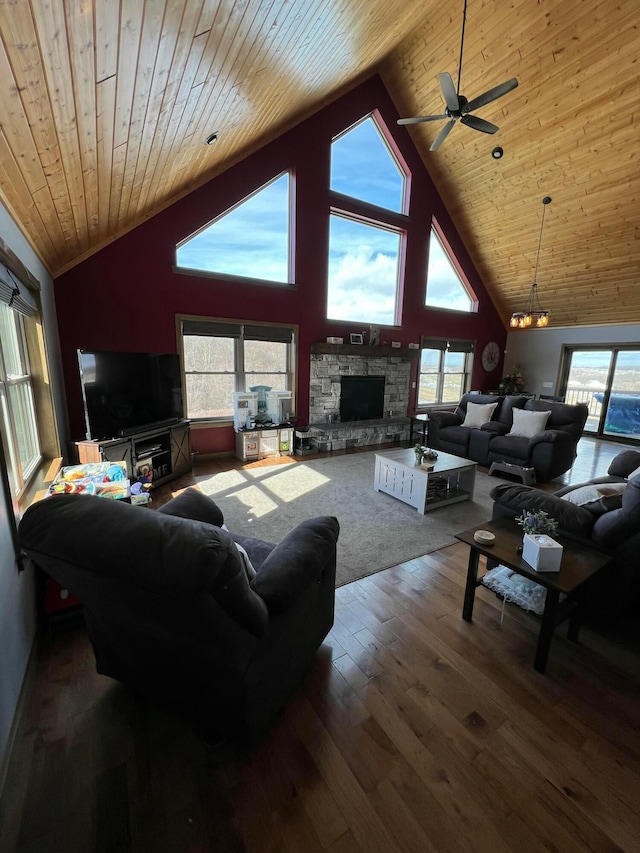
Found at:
(533, 315)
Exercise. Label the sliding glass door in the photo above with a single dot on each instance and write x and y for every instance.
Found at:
(607, 379)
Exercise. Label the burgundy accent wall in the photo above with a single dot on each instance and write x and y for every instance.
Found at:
(126, 296)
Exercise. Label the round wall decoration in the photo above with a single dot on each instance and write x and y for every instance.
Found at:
(490, 356)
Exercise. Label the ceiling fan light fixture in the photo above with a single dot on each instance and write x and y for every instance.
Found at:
(534, 314)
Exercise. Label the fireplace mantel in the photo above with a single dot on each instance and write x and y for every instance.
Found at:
(360, 349)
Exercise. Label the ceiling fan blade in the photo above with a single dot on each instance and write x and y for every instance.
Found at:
(418, 119)
(490, 95)
(449, 92)
(440, 138)
(479, 124)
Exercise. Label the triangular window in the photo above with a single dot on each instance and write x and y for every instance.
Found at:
(445, 287)
(364, 167)
(250, 240)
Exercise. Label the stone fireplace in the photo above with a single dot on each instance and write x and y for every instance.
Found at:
(326, 430)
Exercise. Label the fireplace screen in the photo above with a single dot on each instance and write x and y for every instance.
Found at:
(361, 398)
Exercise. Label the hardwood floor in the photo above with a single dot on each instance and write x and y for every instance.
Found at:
(413, 731)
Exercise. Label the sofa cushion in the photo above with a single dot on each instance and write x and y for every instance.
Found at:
(527, 424)
(477, 414)
(598, 498)
(572, 519)
(505, 411)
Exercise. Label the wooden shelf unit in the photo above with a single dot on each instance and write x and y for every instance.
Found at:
(168, 448)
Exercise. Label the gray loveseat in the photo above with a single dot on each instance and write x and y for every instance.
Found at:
(550, 452)
(171, 612)
(606, 518)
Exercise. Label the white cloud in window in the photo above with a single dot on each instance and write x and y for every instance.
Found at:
(362, 287)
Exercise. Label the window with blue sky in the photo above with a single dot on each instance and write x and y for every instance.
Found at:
(445, 288)
(363, 167)
(364, 254)
(251, 240)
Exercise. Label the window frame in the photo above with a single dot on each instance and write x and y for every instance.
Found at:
(354, 209)
(444, 346)
(239, 372)
(237, 277)
(19, 474)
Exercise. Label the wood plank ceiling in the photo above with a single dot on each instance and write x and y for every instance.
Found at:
(104, 107)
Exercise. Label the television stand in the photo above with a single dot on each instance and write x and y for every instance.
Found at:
(167, 448)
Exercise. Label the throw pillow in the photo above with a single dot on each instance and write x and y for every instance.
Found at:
(527, 424)
(597, 498)
(478, 414)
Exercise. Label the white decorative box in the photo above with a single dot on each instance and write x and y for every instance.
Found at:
(395, 344)
(334, 340)
(542, 552)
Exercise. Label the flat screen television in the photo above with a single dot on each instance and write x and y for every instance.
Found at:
(127, 392)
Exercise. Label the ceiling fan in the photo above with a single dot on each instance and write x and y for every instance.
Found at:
(458, 107)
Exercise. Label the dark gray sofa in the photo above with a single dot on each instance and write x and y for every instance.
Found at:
(170, 611)
(610, 524)
(550, 452)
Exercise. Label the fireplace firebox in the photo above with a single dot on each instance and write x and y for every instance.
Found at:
(361, 398)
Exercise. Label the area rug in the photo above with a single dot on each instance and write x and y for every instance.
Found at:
(376, 530)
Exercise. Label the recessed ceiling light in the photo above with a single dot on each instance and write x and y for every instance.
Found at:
(211, 138)
(497, 153)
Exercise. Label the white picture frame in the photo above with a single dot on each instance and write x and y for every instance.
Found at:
(356, 338)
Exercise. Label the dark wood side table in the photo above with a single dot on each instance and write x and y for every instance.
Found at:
(418, 423)
(579, 564)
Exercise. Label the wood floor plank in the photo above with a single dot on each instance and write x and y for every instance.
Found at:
(412, 731)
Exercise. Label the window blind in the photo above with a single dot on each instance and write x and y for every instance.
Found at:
(433, 343)
(15, 294)
(280, 334)
(211, 328)
(460, 346)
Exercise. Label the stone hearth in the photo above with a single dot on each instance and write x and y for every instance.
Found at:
(325, 432)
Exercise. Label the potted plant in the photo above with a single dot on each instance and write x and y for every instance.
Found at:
(537, 523)
(512, 383)
(419, 450)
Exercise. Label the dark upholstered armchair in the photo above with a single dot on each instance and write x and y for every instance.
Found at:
(170, 609)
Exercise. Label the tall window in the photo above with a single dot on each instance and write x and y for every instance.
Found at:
(369, 190)
(221, 357)
(250, 240)
(445, 371)
(445, 287)
(18, 426)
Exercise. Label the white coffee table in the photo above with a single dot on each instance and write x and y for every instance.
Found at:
(451, 479)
